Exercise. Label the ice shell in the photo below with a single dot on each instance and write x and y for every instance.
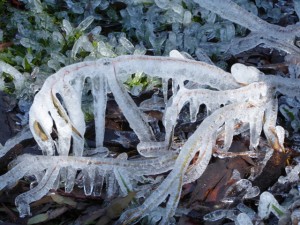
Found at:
(243, 219)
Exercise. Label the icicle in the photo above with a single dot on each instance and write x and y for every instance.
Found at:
(229, 129)
(56, 183)
(194, 108)
(99, 90)
(270, 124)
(98, 182)
(110, 185)
(256, 125)
(63, 126)
(71, 96)
(175, 86)
(63, 175)
(70, 181)
(280, 134)
(123, 181)
(165, 89)
(130, 110)
(88, 180)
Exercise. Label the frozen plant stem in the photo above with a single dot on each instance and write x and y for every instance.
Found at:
(246, 95)
(262, 32)
(235, 13)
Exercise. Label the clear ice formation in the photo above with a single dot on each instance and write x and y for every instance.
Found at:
(221, 214)
(244, 215)
(262, 32)
(244, 96)
(10, 143)
(249, 100)
(18, 78)
(243, 219)
(267, 204)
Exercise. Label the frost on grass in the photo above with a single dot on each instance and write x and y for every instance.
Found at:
(231, 100)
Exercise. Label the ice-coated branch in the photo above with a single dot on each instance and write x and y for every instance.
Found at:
(201, 141)
(59, 102)
(249, 74)
(269, 35)
(94, 170)
(211, 99)
(237, 14)
(244, 96)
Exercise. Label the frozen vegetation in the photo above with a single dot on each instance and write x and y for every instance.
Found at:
(81, 59)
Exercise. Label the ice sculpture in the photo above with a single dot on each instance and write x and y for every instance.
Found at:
(249, 101)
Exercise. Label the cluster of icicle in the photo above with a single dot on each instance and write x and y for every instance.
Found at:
(247, 97)
(248, 103)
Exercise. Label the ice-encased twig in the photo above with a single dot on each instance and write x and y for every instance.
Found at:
(68, 118)
(269, 35)
(249, 74)
(201, 141)
(212, 99)
(179, 69)
(237, 14)
(31, 165)
(58, 105)
(22, 201)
